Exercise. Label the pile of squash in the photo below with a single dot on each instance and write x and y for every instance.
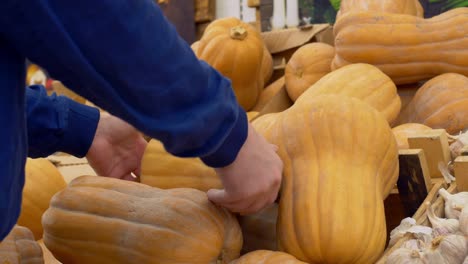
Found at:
(338, 138)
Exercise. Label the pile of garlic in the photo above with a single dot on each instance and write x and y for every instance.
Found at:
(445, 243)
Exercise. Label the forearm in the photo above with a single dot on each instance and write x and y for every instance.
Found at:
(126, 58)
(56, 123)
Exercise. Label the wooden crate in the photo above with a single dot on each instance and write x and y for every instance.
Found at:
(437, 203)
(205, 11)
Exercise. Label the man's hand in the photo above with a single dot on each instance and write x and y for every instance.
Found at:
(117, 149)
(252, 181)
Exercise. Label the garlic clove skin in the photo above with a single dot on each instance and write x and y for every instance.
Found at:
(464, 221)
(414, 244)
(451, 201)
(441, 226)
(405, 256)
(451, 249)
(399, 231)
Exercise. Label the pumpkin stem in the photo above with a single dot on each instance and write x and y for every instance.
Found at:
(238, 32)
(436, 241)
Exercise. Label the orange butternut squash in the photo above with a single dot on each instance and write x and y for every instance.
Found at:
(406, 48)
(161, 169)
(408, 7)
(43, 180)
(267, 257)
(362, 81)
(306, 66)
(440, 103)
(105, 220)
(236, 50)
(19, 247)
(336, 177)
(404, 131)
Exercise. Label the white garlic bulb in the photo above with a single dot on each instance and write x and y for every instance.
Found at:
(441, 226)
(464, 221)
(452, 201)
(451, 249)
(408, 225)
(405, 256)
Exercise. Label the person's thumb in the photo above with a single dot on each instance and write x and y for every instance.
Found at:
(217, 196)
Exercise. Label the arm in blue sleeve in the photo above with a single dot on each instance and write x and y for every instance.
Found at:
(57, 123)
(125, 57)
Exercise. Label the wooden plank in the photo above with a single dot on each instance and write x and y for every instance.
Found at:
(461, 173)
(181, 13)
(436, 148)
(414, 182)
(253, 3)
(205, 10)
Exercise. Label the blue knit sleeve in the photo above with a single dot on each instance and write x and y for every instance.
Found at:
(125, 57)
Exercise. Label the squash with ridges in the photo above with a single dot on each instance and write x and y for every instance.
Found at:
(106, 220)
(267, 257)
(406, 48)
(339, 166)
(408, 7)
(19, 247)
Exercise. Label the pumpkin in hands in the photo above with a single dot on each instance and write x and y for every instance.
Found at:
(105, 220)
(236, 50)
(19, 247)
(340, 163)
(161, 169)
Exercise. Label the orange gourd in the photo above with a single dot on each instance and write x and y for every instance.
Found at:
(306, 66)
(404, 131)
(236, 50)
(440, 103)
(161, 169)
(362, 81)
(408, 7)
(406, 48)
(336, 177)
(19, 247)
(267, 257)
(268, 93)
(267, 65)
(106, 220)
(43, 180)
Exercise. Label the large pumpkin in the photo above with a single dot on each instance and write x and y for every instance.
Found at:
(267, 257)
(408, 7)
(440, 103)
(19, 247)
(406, 48)
(268, 93)
(362, 81)
(404, 131)
(306, 66)
(267, 65)
(105, 220)
(259, 230)
(43, 180)
(339, 166)
(235, 49)
(161, 169)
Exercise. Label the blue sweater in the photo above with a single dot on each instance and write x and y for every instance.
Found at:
(125, 57)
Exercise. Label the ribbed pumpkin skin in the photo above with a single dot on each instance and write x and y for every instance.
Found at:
(404, 131)
(194, 46)
(267, 257)
(362, 81)
(306, 66)
(268, 93)
(48, 257)
(43, 180)
(259, 230)
(238, 59)
(440, 103)
(336, 177)
(19, 247)
(267, 65)
(406, 48)
(161, 169)
(408, 7)
(105, 220)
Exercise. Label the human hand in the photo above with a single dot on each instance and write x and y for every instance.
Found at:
(117, 149)
(252, 181)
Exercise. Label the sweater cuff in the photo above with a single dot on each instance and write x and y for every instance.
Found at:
(81, 125)
(227, 152)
